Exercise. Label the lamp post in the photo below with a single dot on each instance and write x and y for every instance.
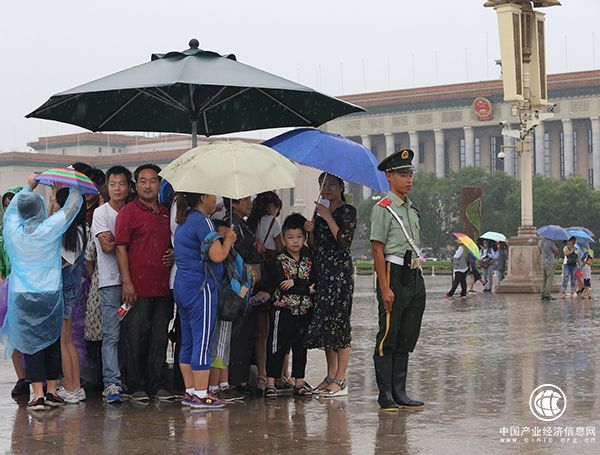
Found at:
(522, 48)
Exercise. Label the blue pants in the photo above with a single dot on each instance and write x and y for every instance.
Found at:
(110, 301)
(198, 313)
(569, 272)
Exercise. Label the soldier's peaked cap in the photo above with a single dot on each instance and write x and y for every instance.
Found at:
(400, 161)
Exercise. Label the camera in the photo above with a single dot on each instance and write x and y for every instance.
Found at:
(501, 156)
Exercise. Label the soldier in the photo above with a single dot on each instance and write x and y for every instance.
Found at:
(395, 242)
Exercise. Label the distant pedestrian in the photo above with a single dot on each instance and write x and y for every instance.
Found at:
(548, 253)
(502, 251)
(488, 259)
(460, 269)
(570, 265)
(586, 270)
(474, 272)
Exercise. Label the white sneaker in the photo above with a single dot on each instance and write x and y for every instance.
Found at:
(69, 397)
(81, 394)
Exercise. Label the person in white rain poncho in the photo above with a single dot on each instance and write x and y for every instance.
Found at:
(35, 299)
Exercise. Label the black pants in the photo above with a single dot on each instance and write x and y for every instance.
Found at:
(459, 278)
(243, 340)
(400, 329)
(43, 365)
(286, 331)
(147, 338)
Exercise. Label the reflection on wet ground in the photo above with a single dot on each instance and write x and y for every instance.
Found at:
(475, 366)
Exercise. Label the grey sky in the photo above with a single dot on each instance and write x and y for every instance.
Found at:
(49, 46)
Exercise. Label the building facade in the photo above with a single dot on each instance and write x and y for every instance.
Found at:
(453, 126)
(449, 127)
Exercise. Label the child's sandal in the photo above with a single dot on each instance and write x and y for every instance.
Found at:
(302, 391)
(270, 392)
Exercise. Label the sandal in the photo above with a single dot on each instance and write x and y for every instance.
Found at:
(270, 392)
(323, 385)
(261, 383)
(302, 391)
(342, 392)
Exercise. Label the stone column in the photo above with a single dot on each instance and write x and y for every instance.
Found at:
(469, 147)
(390, 146)
(413, 137)
(366, 141)
(596, 150)
(568, 146)
(509, 155)
(440, 164)
(539, 149)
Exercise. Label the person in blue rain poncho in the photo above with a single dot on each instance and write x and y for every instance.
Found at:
(35, 299)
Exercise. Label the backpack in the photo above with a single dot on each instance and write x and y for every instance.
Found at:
(231, 305)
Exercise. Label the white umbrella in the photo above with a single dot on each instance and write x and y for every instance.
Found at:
(231, 169)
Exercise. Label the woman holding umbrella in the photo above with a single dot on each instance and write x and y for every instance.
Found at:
(330, 235)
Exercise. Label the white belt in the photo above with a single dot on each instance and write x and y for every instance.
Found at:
(400, 261)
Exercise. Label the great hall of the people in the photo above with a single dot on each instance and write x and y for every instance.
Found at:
(447, 126)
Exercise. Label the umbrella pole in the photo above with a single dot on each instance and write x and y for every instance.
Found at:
(194, 133)
(319, 197)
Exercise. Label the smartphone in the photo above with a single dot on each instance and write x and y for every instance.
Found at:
(324, 202)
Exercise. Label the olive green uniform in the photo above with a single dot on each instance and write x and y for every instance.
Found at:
(398, 330)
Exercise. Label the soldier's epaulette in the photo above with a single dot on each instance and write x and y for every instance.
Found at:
(385, 202)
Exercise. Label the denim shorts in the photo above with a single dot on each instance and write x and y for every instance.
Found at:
(71, 296)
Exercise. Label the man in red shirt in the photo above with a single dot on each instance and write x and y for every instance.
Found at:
(144, 256)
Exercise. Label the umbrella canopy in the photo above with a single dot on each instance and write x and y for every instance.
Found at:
(231, 169)
(67, 177)
(553, 232)
(580, 236)
(581, 228)
(468, 243)
(194, 91)
(333, 154)
(495, 236)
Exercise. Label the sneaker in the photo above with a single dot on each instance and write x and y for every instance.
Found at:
(54, 400)
(229, 395)
(187, 399)
(112, 394)
(125, 393)
(21, 388)
(67, 396)
(164, 395)
(140, 396)
(80, 394)
(208, 402)
(36, 405)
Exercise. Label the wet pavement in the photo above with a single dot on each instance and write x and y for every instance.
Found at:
(475, 366)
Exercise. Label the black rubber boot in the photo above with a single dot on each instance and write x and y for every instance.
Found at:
(383, 376)
(400, 367)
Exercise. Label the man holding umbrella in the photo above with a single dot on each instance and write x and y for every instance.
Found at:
(395, 238)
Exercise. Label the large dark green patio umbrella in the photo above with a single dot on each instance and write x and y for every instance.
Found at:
(194, 91)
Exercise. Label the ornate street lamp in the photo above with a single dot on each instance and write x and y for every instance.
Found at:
(523, 56)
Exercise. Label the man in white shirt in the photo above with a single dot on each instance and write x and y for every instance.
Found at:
(109, 288)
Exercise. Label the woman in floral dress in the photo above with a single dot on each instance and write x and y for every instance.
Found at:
(331, 234)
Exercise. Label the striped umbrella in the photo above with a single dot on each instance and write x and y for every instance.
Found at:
(468, 243)
(67, 177)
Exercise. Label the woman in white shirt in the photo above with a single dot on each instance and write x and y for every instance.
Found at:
(264, 222)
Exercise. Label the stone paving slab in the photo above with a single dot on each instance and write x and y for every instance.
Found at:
(475, 366)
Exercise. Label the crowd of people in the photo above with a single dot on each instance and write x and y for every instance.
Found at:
(576, 268)
(137, 265)
(492, 262)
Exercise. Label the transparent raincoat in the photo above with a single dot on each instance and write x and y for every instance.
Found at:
(33, 242)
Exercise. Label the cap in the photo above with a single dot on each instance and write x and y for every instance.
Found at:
(398, 162)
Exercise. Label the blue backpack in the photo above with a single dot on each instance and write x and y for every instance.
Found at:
(231, 305)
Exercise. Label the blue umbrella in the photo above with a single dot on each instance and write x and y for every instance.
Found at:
(333, 154)
(584, 229)
(553, 232)
(581, 236)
